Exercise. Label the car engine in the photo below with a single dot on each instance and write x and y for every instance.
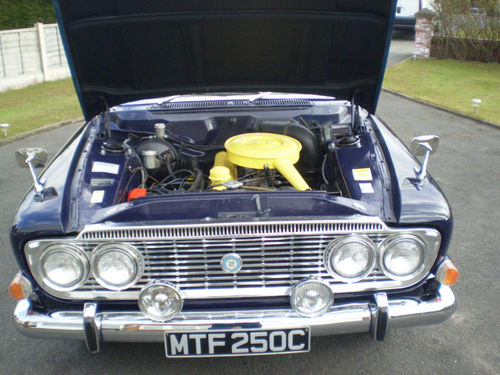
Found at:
(266, 155)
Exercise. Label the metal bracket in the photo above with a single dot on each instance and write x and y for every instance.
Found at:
(92, 336)
(422, 172)
(423, 145)
(260, 211)
(380, 317)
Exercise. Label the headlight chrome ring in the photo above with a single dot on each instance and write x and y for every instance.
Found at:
(58, 261)
(117, 266)
(351, 258)
(402, 256)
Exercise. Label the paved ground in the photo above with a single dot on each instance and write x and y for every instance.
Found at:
(402, 47)
(468, 168)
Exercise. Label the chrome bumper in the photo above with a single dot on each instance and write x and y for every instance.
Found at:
(95, 327)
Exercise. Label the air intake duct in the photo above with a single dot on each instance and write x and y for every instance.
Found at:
(310, 157)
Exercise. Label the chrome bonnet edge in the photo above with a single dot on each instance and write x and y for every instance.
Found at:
(135, 327)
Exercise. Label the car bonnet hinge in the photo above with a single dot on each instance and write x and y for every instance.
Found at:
(105, 131)
(355, 125)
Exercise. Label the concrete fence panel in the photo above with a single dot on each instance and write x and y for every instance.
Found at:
(29, 56)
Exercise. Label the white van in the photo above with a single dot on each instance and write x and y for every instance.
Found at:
(405, 13)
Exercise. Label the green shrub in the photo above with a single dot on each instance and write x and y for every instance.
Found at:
(467, 30)
(16, 14)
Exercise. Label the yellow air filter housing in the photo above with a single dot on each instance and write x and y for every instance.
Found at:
(255, 150)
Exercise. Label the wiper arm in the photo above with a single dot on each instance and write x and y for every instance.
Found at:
(260, 95)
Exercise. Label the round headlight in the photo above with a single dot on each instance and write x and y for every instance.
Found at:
(160, 301)
(117, 266)
(350, 258)
(311, 297)
(402, 256)
(64, 267)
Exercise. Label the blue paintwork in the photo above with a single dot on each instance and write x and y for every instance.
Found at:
(69, 58)
(395, 198)
(427, 205)
(390, 27)
(335, 48)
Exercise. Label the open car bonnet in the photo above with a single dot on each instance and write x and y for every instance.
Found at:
(126, 50)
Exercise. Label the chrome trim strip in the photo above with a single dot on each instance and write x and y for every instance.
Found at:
(229, 229)
(135, 327)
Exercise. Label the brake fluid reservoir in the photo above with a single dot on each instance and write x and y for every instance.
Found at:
(256, 150)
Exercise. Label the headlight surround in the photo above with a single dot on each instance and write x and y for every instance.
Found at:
(117, 266)
(64, 267)
(350, 258)
(402, 256)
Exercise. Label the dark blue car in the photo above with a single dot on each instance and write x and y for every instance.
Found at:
(231, 191)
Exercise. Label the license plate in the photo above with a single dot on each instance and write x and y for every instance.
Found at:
(237, 342)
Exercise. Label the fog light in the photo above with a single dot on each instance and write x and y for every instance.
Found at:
(160, 301)
(311, 297)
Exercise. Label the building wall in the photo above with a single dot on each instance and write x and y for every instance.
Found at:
(29, 56)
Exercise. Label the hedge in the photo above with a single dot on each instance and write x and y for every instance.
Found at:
(465, 49)
(15, 14)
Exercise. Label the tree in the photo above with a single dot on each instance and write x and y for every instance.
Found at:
(24, 13)
(468, 30)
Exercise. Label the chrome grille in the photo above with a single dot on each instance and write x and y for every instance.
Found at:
(267, 261)
(224, 230)
(275, 255)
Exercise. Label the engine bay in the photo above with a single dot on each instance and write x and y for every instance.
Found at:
(262, 151)
(275, 155)
(279, 154)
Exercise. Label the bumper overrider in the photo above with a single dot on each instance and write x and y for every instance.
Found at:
(375, 317)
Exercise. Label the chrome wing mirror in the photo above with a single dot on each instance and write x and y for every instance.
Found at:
(32, 157)
(424, 145)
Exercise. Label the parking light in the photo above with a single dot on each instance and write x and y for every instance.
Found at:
(20, 287)
(447, 273)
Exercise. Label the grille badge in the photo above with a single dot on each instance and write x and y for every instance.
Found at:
(231, 263)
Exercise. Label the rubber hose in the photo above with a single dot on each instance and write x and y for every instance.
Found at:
(197, 180)
(310, 156)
